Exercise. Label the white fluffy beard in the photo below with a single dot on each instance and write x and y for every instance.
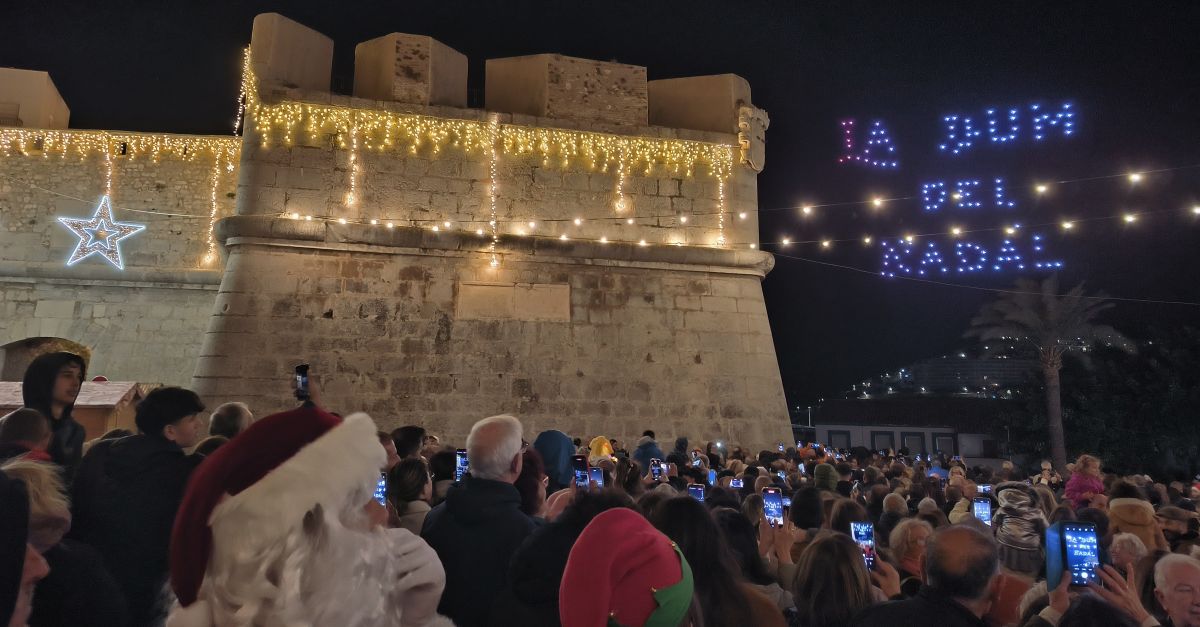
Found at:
(327, 571)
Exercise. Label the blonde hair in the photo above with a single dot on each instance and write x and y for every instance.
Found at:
(900, 540)
(47, 494)
(1085, 461)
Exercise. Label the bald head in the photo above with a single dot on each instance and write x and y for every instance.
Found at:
(960, 562)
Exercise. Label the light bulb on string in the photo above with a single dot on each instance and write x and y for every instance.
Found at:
(374, 222)
(1130, 218)
(742, 215)
(1041, 189)
(1135, 178)
(878, 202)
(956, 231)
(1196, 210)
(806, 210)
(867, 240)
(826, 244)
(578, 221)
(785, 241)
(1068, 225)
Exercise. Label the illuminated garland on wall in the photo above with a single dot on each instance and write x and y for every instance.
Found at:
(224, 151)
(381, 130)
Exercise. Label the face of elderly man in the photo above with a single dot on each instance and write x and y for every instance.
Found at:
(1180, 593)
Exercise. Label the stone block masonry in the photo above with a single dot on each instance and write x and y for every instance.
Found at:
(143, 323)
(646, 342)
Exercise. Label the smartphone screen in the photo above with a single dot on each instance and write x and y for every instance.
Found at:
(799, 443)
(696, 491)
(461, 465)
(1081, 549)
(662, 468)
(780, 447)
(712, 477)
(787, 502)
(696, 463)
(773, 506)
(655, 470)
(302, 382)
(985, 488)
(597, 475)
(863, 534)
(580, 464)
(736, 484)
(381, 489)
(981, 507)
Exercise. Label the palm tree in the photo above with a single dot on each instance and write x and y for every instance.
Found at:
(1051, 325)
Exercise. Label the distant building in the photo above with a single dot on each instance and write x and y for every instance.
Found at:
(951, 374)
(950, 426)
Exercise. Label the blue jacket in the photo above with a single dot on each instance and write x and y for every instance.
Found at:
(647, 449)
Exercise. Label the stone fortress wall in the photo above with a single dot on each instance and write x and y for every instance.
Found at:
(362, 243)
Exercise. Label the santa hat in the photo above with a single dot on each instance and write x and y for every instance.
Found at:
(623, 571)
(259, 486)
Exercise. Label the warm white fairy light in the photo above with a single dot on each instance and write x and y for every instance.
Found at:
(341, 220)
(108, 171)
(532, 225)
(753, 246)
(210, 254)
(806, 210)
(493, 137)
(683, 219)
(629, 221)
(956, 231)
(721, 212)
(1130, 218)
(308, 218)
(352, 195)
(435, 228)
(391, 225)
(295, 216)
(878, 202)
(446, 224)
(578, 221)
(1067, 226)
(603, 239)
(742, 215)
(1196, 210)
(479, 232)
(1010, 230)
(1135, 177)
(241, 101)
(1041, 189)
(374, 222)
(867, 240)
(563, 237)
(910, 238)
(642, 242)
(785, 241)
(826, 244)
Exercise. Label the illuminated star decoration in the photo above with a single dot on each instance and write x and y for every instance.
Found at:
(101, 235)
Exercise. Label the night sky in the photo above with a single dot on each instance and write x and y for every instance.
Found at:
(1130, 69)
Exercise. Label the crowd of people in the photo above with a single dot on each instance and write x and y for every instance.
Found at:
(307, 517)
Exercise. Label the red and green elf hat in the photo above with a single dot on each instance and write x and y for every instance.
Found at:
(622, 572)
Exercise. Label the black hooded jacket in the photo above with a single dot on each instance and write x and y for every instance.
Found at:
(14, 531)
(123, 503)
(475, 532)
(37, 390)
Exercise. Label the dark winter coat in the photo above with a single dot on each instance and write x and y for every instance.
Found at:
(37, 391)
(647, 449)
(475, 533)
(123, 503)
(14, 533)
(929, 607)
(531, 597)
(78, 590)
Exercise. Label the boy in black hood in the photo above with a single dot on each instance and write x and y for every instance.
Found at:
(52, 383)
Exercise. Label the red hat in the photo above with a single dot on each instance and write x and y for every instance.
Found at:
(622, 568)
(259, 486)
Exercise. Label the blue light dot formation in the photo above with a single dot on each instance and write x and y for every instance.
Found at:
(905, 257)
(1009, 127)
